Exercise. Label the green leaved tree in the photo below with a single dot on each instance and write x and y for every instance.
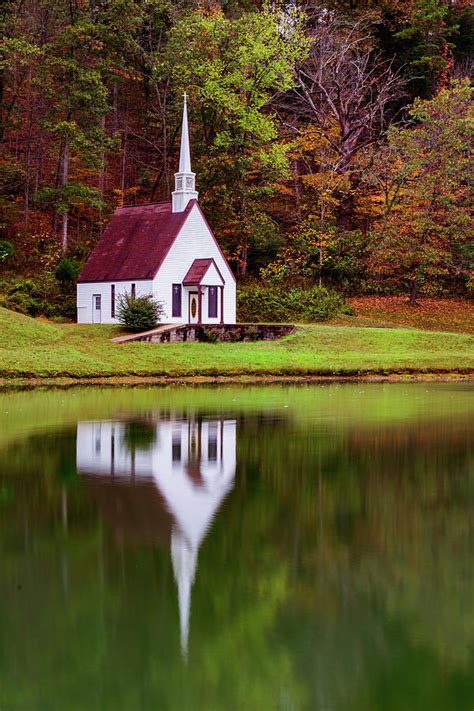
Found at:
(232, 69)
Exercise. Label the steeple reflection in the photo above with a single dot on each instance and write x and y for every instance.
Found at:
(161, 482)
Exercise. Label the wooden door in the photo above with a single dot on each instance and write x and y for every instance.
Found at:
(193, 307)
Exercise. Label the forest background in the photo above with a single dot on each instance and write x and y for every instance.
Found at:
(331, 140)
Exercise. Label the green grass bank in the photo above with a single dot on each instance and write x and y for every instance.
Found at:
(31, 348)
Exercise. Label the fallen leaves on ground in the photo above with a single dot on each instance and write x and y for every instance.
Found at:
(431, 314)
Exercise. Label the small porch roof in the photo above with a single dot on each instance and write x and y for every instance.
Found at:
(198, 270)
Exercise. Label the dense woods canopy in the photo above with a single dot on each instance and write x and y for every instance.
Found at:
(330, 139)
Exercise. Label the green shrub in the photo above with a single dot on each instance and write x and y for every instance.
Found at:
(209, 334)
(219, 334)
(139, 313)
(37, 296)
(7, 250)
(284, 304)
(252, 333)
(233, 335)
(67, 271)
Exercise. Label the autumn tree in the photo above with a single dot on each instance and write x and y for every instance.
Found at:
(289, 103)
(346, 93)
(429, 40)
(423, 178)
(56, 96)
(312, 243)
(232, 69)
(428, 31)
(346, 83)
(77, 65)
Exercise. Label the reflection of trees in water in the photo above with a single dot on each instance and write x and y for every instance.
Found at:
(338, 573)
(139, 434)
(378, 522)
(50, 454)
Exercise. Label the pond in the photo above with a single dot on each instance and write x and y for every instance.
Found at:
(238, 548)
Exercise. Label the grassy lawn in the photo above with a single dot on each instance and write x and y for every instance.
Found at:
(34, 348)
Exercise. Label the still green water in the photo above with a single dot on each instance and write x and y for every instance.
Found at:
(238, 548)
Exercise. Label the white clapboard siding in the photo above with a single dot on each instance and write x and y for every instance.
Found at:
(86, 292)
(194, 241)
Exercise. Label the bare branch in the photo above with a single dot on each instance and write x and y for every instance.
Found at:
(347, 83)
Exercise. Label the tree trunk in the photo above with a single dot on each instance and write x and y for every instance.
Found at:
(2, 92)
(124, 164)
(321, 254)
(26, 193)
(244, 256)
(296, 182)
(64, 232)
(166, 169)
(58, 182)
(38, 164)
(103, 170)
(414, 285)
(65, 177)
(115, 116)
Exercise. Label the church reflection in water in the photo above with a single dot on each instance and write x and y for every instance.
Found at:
(161, 482)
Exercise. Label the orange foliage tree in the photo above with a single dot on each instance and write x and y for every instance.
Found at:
(425, 229)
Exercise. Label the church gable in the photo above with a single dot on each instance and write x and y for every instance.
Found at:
(195, 241)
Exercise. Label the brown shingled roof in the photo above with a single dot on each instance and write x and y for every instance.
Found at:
(134, 243)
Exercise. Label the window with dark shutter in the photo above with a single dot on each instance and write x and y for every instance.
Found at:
(212, 442)
(176, 300)
(212, 302)
(134, 291)
(112, 301)
(176, 446)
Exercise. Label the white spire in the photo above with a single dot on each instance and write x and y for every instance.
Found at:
(185, 153)
(184, 558)
(184, 179)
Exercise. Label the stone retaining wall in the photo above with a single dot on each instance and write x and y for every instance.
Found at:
(227, 333)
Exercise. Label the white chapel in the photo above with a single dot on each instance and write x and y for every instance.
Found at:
(164, 249)
(168, 493)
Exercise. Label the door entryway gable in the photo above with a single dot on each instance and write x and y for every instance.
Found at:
(213, 275)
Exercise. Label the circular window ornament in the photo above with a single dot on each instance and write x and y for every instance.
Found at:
(193, 307)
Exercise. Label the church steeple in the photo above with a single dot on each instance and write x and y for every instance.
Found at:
(184, 179)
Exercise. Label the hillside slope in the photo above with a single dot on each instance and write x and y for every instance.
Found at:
(33, 348)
